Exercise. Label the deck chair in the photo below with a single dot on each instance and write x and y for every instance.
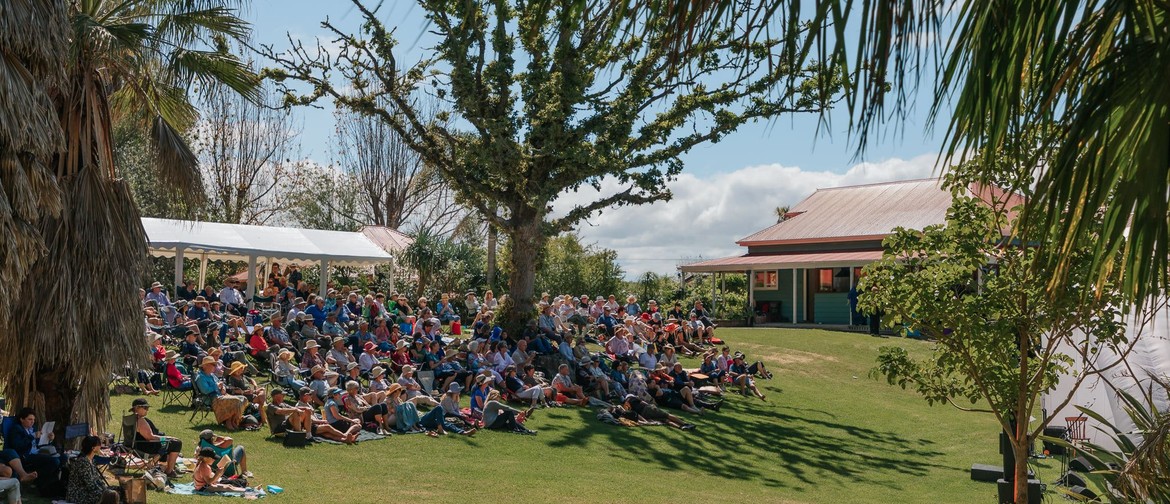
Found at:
(171, 395)
(426, 379)
(126, 449)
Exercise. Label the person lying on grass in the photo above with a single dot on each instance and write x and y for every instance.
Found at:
(638, 410)
(670, 398)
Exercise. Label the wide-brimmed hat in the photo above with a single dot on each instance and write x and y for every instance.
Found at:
(275, 317)
(207, 360)
(317, 369)
(481, 379)
(377, 371)
(585, 361)
(237, 366)
(402, 343)
(299, 300)
(171, 355)
(200, 299)
(154, 337)
(455, 388)
(139, 403)
(369, 345)
(394, 389)
(351, 366)
(206, 435)
(304, 317)
(311, 344)
(338, 339)
(156, 285)
(281, 355)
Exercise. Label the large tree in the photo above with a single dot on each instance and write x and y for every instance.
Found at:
(80, 241)
(548, 103)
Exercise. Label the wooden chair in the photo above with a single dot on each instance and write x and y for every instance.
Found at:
(1076, 432)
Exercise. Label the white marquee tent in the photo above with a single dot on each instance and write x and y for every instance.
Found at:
(239, 242)
(1147, 355)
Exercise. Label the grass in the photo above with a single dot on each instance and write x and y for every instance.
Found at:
(827, 434)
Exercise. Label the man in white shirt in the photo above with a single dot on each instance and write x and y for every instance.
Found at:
(232, 300)
(297, 309)
(521, 357)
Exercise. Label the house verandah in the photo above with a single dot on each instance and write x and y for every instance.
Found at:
(802, 269)
(798, 289)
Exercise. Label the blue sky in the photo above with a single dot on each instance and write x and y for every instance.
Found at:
(789, 156)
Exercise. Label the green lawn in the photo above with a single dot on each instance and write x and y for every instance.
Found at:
(828, 434)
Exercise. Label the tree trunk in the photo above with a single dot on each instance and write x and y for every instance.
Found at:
(493, 236)
(527, 242)
(1020, 446)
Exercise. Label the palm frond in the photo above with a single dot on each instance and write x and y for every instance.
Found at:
(175, 161)
(188, 26)
(211, 68)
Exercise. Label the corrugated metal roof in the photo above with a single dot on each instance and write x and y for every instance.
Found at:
(784, 261)
(864, 211)
(391, 240)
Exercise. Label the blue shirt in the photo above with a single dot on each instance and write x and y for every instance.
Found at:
(207, 384)
(608, 321)
(197, 313)
(318, 315)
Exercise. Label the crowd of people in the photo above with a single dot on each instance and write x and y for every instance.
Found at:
(348, 362)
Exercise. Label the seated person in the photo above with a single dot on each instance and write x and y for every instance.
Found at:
(175, 378)
(319, 385)
(9, 485)
(604, 385)
(86, 484)
(499, 416)
(238, 384)
(741, 375)
(369, 358)
(709, 368)
(400, 357)
(148, 439)
(312, 357)
(522, 356)
(229, 409)
(23, 455)
(563, 384)
(357, 407)
(335, 416)
(259, 346)
(225, 446)
(190, 350)
(668, 357)
(516, 386)
(618, 346)
(450, 371)
(287, 372)
(209, 480)
(316, 424)
(339, 356)
(411, 390)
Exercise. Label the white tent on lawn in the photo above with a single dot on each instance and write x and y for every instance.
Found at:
(240, 242)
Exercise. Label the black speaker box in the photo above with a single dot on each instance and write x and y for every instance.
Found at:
(1055, 432)
(1007, 492)
(1083, 492)
(990, 473)
(1072, 479)
(1080, 464)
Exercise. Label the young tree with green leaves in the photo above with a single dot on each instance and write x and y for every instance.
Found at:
(976, 286)
(540, 99)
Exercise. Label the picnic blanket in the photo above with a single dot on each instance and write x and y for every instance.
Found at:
(189, 489)
(364, 435)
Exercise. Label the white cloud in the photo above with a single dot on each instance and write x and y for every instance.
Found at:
(708, 214)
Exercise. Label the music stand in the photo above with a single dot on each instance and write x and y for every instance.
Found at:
(76, 430)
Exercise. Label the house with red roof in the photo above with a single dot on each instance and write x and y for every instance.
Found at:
(801, 269)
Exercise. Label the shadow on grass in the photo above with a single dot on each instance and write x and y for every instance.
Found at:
(778, 445)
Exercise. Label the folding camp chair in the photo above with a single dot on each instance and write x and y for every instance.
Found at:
(426, 379)
(125, 449)
(200, 405)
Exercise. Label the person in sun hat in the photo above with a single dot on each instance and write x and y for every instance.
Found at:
(175, 378)
(223, 445)
(401, 356)
(286, 370)
(159, 296)
(339, 356)
(358, 407)
(229, 409)
(276, 333)
(369, 357)
(336, 417)
(319, 385)
(238, 384)
(411, 389)
(298, 308)
(312, 356)
(378, 380)
(743, 377)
